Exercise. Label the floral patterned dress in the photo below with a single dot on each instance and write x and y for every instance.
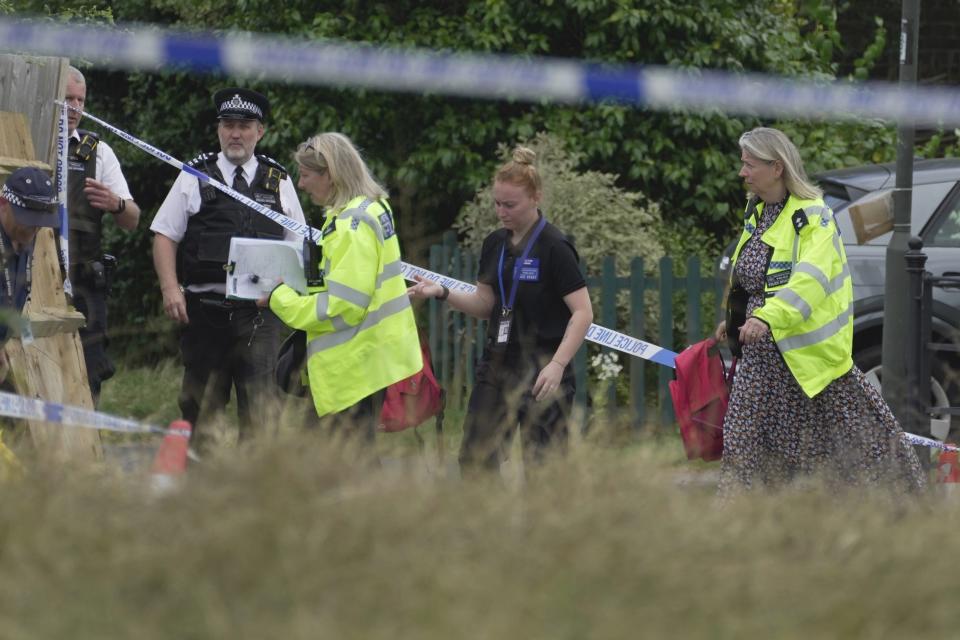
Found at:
(773, 431)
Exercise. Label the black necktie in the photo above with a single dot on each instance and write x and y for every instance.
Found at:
(239, 182)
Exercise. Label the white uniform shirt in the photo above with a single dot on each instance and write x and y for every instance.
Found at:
(108, 169)
(184, 200)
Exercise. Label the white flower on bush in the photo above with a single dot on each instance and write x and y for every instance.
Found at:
(607, 365)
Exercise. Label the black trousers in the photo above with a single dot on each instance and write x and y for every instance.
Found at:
(228, 345)
(91, 301)
(502, 401)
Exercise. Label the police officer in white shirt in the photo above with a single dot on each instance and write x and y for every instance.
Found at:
(96, 186)
(224, 343)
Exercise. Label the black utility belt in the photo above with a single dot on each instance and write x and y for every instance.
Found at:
(220, 301)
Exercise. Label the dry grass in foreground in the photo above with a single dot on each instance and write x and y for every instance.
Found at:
(287, 540)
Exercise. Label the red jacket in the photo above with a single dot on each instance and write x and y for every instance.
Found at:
(700, 396)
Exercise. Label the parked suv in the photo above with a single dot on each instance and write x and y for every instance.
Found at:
(854, 194)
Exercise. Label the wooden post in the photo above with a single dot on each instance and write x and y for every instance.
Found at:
(665, 374)
(608, 315)
(51, 367)
(638, 323)
(694, 330)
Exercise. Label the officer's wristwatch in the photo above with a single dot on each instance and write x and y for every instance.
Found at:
(443, 296)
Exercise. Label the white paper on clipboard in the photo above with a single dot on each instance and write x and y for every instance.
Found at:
(256, 266)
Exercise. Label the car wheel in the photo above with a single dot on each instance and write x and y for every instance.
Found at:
(869, 361)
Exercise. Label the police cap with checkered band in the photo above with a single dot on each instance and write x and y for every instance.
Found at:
(234, 103)
(30, 194)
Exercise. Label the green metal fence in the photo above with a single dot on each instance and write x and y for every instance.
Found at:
(456, 340)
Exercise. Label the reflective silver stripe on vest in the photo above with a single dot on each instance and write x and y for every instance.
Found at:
(389, 308)
(826, 213)
(794, 300)
(837, 283)
(323, 303)
(829, 287)
(390, 270)
(819, 335)
(360, 214)
(349, 294)
(796, 247)
(814, 272)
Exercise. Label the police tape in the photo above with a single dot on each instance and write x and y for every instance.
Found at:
(922, 441)
(14, 406)
(288, 223)
(62, 172)
(600, 335)
(597, 334)
(533, 79)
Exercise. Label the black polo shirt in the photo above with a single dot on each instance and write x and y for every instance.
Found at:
(540, 316)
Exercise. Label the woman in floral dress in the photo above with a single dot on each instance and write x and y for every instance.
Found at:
(798, 404)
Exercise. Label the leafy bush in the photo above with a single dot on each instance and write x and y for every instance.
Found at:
(602, 218)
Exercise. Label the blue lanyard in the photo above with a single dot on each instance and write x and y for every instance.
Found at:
(504, 305)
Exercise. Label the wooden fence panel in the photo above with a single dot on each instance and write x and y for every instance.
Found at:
(27, 86)
(51, 366)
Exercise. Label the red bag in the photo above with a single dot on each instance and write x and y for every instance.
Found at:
(700, 395)
(414, 400)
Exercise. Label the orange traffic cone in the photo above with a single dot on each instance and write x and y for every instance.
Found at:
(948, 469)
(171, 459)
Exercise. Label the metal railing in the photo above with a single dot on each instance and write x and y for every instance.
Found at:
(921, 347)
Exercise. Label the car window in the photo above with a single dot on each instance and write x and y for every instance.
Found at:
(945, 231)
(926, 199)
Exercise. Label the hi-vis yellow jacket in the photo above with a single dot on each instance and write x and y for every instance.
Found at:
(808, 293)
(361, 334)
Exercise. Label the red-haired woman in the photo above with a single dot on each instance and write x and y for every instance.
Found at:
(532, 292)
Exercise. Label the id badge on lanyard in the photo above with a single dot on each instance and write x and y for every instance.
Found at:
(523, 270)
(503, 332)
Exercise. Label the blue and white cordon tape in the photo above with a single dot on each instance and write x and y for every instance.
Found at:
(285, 222)
(14, 406)
(527, 78)
(62, 144)
(601, 335)
(912, 438)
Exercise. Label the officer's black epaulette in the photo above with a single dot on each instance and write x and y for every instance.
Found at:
(273, 163)
(202, 163)
(203, 159)
(274, 173)
(800, 220)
